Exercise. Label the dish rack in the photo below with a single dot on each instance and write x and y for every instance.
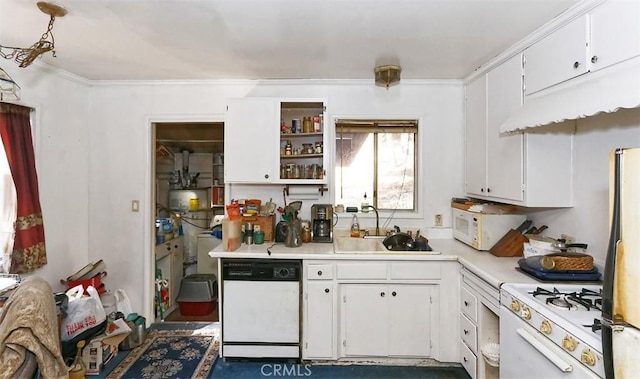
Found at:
(491, 354)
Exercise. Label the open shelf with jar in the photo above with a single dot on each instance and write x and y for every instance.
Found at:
(302, 140)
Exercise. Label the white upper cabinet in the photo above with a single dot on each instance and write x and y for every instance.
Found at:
(504, 153)
(526, 169)
(272, 140)
(615, 33)
(560, 56)
(251, 144)
(476, 137)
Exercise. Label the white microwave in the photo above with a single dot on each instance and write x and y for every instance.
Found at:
(482, 230)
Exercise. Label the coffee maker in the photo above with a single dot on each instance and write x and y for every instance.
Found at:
(322, 222)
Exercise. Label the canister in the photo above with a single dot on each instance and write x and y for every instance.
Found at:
(295, 126)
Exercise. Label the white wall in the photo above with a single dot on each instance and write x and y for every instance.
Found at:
(93, 150)
(120, 152)
(588, 220)
(61, 135)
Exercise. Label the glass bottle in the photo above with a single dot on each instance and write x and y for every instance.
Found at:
(355, 227)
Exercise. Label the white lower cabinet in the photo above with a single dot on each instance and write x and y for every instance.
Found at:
(388, 309)
(386, 319)
(479, 324)
(319, 333)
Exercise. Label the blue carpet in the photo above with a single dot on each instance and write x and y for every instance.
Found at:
(263, 369)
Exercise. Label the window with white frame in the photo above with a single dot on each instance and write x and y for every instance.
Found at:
(377, 158)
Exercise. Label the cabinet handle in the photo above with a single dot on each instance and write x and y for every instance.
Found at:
(466, 331)
(481, 189)
(594, 59)
(319, 273)
(175, 246)
(464, 358)
(488, 189)
(266, 176)
(393, 293)
(382, 294)
(168, 248)
(466, 303)
(326, 290)
(576, 64)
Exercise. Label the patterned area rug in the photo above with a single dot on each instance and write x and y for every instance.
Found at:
(171, 354)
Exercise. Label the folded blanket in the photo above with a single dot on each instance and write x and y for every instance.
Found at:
(28, 323)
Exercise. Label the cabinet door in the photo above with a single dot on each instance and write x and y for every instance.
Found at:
(409, 320)
(560, 56)
(615, 33)
(251, 140)
(475, 137)
(365, 321)
(318, 320)
(504, 153)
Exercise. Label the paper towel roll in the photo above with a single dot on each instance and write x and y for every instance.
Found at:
(304, 192)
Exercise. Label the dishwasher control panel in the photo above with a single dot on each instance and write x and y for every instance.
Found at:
(261, 270)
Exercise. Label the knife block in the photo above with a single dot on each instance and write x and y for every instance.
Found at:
(510, 245)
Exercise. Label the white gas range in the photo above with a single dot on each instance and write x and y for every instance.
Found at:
(550, 331)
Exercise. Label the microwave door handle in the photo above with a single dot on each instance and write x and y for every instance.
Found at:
(544, 350)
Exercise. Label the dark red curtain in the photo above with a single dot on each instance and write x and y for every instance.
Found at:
(29, 251)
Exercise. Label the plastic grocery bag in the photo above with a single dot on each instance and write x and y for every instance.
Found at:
(84, 312)
(122, 302)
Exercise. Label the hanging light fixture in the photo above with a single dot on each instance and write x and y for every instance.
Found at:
(26, 55)
(9, 89)
(387, 75)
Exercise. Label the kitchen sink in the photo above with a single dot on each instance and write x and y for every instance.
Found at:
(351, 245)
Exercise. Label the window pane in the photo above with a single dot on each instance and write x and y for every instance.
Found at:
(354, 168)
(396, 170)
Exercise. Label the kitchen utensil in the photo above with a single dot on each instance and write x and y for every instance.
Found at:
(524, 226)
(398, 241)
(532, 230)
(541, 229)
(562, 246)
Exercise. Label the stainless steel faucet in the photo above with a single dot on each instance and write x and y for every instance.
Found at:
(377, 217)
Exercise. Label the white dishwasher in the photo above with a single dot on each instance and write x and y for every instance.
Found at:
(260, 308)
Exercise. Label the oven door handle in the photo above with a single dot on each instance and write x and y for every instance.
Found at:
(544, 350)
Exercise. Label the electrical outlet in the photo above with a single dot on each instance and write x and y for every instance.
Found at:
(438, 220)
(567, 238)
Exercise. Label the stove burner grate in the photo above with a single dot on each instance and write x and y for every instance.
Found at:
(586, 298)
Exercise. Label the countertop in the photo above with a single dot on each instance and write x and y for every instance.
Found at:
(494, 270)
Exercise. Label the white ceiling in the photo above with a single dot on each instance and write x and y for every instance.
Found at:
(275, 39)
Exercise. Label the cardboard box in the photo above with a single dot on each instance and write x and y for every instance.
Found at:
(99, 351)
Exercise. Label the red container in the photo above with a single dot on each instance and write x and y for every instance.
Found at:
(196, 308)
(96, 282)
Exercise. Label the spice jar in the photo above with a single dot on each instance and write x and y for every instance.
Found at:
(287, 148)
(319, 147)
(307, 148)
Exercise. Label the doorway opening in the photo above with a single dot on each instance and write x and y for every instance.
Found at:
(188, 193)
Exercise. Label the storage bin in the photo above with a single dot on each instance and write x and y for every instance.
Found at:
(267, 224)
(197, 296)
